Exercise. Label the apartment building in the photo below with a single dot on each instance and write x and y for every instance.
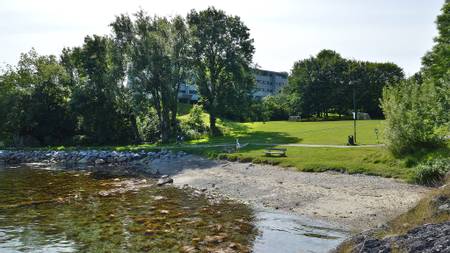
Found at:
(267, 83)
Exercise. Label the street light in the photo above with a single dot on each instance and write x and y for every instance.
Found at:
(355, 114)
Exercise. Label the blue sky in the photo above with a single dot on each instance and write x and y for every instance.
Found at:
(285, 31)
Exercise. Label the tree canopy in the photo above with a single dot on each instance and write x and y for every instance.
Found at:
(417, 110)
(324, 84)
(221, 54)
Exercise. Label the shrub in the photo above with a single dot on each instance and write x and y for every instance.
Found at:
(432, 172)
(148, 126)
(194, 127)
(416, 116)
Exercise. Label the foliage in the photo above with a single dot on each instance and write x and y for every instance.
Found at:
(276, 107)
(194, 127)
(414, 117)
(99, 98)
(157, 52)
(436, 63)
(195, 119)
(417, 109)
(325, 84)
(34, 102)
(432, 172)
(148, 126)
(221, 55)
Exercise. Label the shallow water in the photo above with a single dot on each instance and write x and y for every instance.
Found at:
(60, 211)
(283, 232)
(50, 210)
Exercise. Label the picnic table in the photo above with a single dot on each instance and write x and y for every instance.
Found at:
(275, 151)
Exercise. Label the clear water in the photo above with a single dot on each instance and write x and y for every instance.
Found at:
(283, 232)
(50, 210)
(61, 211)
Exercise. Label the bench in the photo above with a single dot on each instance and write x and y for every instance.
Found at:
(275, 151)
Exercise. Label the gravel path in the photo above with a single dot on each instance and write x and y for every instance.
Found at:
(353, 202)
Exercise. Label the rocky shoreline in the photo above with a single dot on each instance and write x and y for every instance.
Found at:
(425, 238)
(141, 160)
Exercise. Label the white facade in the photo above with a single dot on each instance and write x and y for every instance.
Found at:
(188, 93)
(267, 83)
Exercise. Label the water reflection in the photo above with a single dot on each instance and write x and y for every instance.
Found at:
(282, 232)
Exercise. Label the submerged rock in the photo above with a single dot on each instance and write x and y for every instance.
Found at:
(165, 180)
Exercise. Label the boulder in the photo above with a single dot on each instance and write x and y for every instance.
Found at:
(99, 161)
(164, 181)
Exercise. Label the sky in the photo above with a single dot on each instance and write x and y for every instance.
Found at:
(285, 31)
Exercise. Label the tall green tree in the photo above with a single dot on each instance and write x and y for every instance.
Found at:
(325, 84)
(320, 83)
(417, 110)
(98, 98)
(158, 64)
(436, 63)
(222, 52)
(34, 101)
(369, 79)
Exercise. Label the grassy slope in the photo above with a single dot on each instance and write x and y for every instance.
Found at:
(281, 132)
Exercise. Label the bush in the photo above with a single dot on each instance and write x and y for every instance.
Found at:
(194, 127)
(432, 172)
(148, 127)
(416, 116)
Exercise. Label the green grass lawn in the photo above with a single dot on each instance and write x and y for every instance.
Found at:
(370, 161)
(282, 132)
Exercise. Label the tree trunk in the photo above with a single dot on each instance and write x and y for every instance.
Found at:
(212, 124)
(137, 138)
(165, 126)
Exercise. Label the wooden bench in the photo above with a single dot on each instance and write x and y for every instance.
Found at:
(275, 151)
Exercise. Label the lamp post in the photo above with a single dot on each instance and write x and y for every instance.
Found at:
(355, 114)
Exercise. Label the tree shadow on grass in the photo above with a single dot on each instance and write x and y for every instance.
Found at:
(261, 137)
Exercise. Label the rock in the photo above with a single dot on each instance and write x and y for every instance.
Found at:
(425, 238)
(164, 181)
(188, 249)
(122, 159)
(444, 207)
(83, 160)
(99, 161)
(149, 232)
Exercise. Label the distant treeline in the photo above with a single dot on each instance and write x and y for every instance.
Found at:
(324, 85)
